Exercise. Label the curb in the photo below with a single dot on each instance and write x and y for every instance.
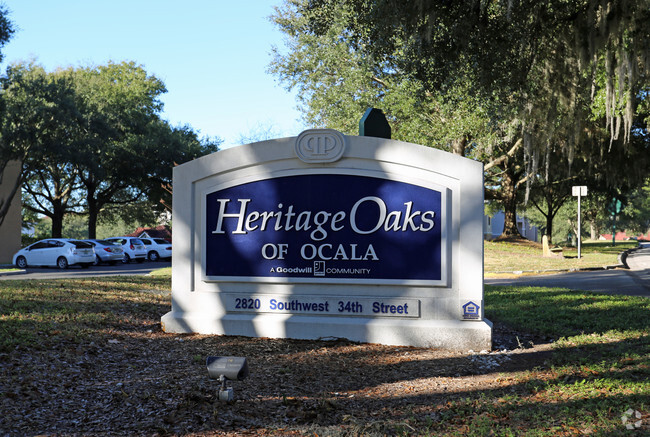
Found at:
(584, 269)
(14, 273)
(622, 257)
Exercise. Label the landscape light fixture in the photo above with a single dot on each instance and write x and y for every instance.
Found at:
(224, 369)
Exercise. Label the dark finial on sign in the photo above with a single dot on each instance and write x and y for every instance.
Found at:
(374, 124)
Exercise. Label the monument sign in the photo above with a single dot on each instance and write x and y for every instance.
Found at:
(325, 235)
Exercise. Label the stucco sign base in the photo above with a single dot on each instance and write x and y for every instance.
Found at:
(326, 236)
(445, 334)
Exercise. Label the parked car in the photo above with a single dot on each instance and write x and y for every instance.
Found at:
(133, 248)
(157, 248)
(56, 252)
(107, 252)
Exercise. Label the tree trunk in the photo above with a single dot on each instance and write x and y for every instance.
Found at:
(93, 212)
(458, 146)
(92, 223)
(509, 197)
(58, 213)
(57, 225)
(574, 237)
(549, 227)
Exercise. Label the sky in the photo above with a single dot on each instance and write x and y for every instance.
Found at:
(212, 55)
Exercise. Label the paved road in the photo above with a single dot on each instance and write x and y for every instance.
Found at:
(632, 282)
(77, 272)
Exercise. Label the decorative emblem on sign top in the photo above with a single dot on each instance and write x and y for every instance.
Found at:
(320, 145)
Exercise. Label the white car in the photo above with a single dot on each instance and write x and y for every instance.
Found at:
(157, 248)
(133, 248)
(56, 252)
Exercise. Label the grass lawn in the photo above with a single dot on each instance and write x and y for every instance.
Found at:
(164, 272)
(87, 357)
(526, 256)
(600, 367)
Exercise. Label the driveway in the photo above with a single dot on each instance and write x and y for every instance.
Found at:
(634, 281)
(77, 272)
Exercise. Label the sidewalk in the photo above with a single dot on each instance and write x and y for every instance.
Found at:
(638, 259)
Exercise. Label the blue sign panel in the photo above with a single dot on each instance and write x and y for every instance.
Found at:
(324, 226)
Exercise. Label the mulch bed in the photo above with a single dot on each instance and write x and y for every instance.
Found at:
(147, 382)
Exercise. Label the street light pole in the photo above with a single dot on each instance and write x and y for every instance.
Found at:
(615, 207)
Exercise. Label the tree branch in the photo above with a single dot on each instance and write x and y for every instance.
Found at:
(501, 159)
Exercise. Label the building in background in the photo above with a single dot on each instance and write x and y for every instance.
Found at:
(493, 227)
(11, 227)
(622, 236)
(161, 231)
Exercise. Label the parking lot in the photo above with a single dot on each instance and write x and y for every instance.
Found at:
(77, 272)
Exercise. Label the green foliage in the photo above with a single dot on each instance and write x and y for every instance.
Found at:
(75, 226)
(128, 151)
(337, 81)
(107, 229)
(7, 28)
(36, 130)
(564, 223)
(524, 87)
(537, 56)
(122, 221)
(635, 216)
(90, 138)
(43, 229)
(596, 216)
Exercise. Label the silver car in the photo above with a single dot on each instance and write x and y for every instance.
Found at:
(107, 252)
(56, 252)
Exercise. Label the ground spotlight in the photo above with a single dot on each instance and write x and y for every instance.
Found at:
(224, 369)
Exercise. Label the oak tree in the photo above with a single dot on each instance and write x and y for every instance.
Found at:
(531, 71)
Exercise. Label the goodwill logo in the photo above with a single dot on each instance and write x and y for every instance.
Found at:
(324, 226)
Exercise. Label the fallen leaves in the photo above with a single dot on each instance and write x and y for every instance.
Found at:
(144, 381)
